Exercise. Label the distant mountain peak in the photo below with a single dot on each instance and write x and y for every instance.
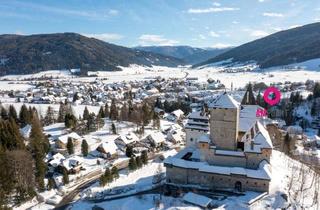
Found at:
(281, 48)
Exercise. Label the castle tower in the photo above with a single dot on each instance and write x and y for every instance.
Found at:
(224, 122)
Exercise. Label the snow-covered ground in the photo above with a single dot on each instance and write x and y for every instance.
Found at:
(288, 179)
(293, 73)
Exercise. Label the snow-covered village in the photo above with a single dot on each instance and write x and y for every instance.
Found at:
(219, 116)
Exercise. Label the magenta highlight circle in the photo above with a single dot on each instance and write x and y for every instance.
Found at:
(277, 94)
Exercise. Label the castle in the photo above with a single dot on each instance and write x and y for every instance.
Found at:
(231, 149)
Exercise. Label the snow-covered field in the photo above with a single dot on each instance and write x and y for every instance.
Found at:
(287, 180)
(293, 73)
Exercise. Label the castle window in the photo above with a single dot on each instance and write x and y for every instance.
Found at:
(191, 139)
(247, 182)
(255, 183)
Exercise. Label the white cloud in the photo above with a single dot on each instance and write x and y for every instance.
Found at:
(212, 10)
(214, 34)
(272, 14)
(201, 36)
(261, 1)
(258, 33)
(151, 39)
(90, 14)
(113, 12)
(107, 37)
(221, 45)
(235, 22)
(216, 4)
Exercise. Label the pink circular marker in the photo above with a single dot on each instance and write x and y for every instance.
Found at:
(277, 94)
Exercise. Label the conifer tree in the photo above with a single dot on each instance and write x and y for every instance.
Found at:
(4, 113)
(106, 110)
(70, 146)
(144, 157)
(103, 180)
(70, 121)
(49, 118)
(51, 184)
(62, 112)
(124, 112)
(316, 90)
(113, 110)
(84, 148)
(101, 113)
(155, 121)
(130, 111)
(13, 113)
(145, 114)
(129, 151)
(115, 172)
(65, 176)
(132, 164)
(108, 175)
(86, 113)
(139, 162)
(40, 147)
(113, 129)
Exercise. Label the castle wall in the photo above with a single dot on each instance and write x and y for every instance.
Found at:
(222, 160)
(214, 181)
(224, 125)
(253, 159)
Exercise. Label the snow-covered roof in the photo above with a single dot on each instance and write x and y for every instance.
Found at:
(64, 138)
(199, 200)
(262, 172)
(71, 162)
(197, 115)
(109, 147)
(56, 159)
(229, 153)
(262, 140)
(178, 113)
(157, 137)
(204, 139)
(246, 123)
(129, 138)
(224, 101)
(25, 131)
(249, 111)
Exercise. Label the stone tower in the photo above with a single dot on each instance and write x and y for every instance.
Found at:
(224, 122)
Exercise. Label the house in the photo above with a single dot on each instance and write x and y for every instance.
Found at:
(156, 139)
(62, 141)
(126, 139)
(72, 164)
(108, 149)
(175, 115)
(56, 160)
(176, 136)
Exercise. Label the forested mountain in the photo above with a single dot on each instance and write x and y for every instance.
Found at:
(191, 55)
(35, 53)
(281, 48)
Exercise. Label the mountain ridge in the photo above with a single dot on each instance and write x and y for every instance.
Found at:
(281, 48)
(20, 54)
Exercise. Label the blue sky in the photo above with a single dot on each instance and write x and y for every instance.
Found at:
(199, 23)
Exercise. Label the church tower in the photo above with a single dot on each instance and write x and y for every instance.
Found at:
(224, 122)
(248, 98)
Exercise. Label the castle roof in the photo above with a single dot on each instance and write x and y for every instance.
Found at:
(225, 101)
